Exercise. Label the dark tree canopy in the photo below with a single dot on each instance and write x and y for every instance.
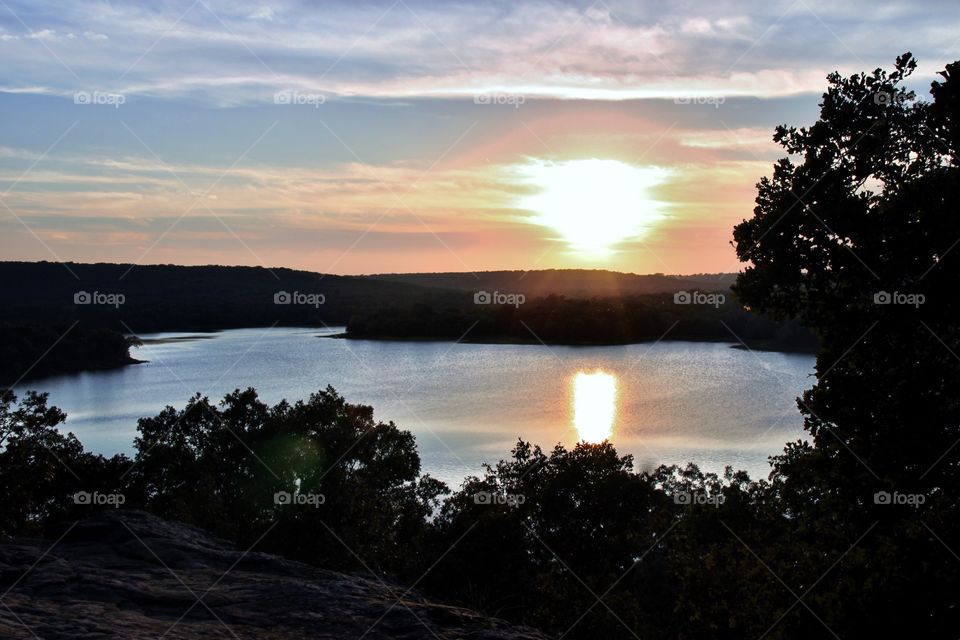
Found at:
(854, 236)
(221, 467)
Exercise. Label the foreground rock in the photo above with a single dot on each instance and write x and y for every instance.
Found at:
(127, 574)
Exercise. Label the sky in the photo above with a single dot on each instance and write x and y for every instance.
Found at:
(370, 137)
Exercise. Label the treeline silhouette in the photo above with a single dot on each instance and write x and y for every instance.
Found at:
(560, 320)
(33, 351)
(197, 298)
(203, 298)
(569, 283)
(574, 541)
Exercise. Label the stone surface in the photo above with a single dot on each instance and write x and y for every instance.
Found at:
(127, 574)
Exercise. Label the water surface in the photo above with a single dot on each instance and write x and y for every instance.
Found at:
(670, 402)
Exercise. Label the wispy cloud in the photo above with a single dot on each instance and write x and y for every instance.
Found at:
(231, 53)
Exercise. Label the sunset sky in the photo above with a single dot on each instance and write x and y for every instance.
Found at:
(361, 137)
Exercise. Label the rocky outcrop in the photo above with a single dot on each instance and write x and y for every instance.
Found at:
(128, 574)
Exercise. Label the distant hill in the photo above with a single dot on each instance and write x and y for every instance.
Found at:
(143, 298)
(572, 283)
(171, 297)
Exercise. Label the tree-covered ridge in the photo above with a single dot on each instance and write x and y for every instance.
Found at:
(559, 320)
(212, 297)
(854, 238)
(193, 298)
(568, 283)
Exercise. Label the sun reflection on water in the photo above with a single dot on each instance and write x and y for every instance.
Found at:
(594, 405)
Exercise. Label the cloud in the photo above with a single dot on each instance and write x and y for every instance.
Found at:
(608, 52)
(44, 34)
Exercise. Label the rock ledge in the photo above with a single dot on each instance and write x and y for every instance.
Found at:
(128, 574)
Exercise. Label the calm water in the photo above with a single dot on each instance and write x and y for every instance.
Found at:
(671, 402)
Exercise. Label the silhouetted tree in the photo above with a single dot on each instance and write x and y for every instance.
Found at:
(853, 238)
(42, 469)
(238, 469)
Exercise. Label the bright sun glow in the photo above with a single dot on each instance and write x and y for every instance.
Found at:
(594, 204)
(594, 405)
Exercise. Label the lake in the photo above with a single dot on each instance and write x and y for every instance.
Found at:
(670, 402)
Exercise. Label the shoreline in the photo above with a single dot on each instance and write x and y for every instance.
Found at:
(507, 340)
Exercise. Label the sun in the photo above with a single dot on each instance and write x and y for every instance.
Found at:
(593, 204)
